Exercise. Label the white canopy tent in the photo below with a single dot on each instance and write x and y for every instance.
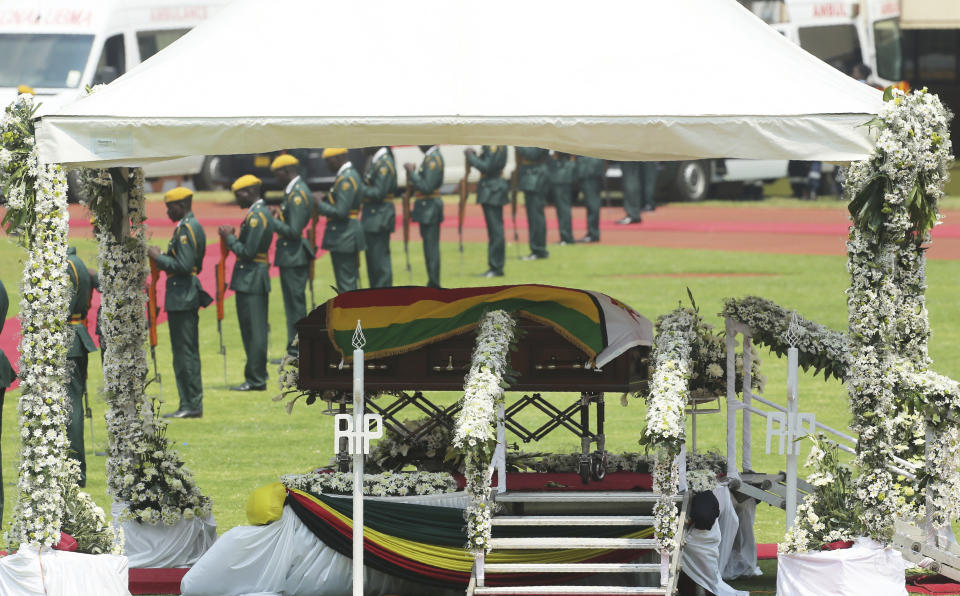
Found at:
(619, 79)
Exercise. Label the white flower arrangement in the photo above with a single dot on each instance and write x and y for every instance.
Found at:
(387, 484)
(143, 471)
(49, 499)
(475, 432)
(699, 481)
(665, 424)
(894, 197)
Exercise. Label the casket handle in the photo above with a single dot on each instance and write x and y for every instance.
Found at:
(554, 365)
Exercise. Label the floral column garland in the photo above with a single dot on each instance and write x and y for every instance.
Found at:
(37, 202)
(475, 434)
(893, 205)
(143, 471)
(666, 427)
(49, 499)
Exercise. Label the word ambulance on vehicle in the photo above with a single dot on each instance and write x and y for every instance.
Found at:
(60, 47)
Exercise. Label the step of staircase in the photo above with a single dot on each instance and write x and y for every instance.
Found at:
(572, 543)
(573, 520)
(549, 590)
(572, 568)
(578, 497)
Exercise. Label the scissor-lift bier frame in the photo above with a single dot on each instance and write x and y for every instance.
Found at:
(545, 363)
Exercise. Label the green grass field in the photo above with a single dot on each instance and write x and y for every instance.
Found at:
(246, 440)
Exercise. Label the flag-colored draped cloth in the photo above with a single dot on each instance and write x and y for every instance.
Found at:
(426, 544)
(398, 320)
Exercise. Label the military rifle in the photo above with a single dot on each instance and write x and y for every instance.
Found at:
(221, 294)
(312, 239)
(406, 227)
(514, 189)
(152, 317)
(462, 210)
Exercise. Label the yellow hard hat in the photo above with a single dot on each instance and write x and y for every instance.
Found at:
(282, 161)
(177, 194)
(331, 151)
(244, 181)
(25, 89)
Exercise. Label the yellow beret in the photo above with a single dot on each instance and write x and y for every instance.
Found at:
(282, 161)
(244, 181)
(331, 151)
(24, 89)
(177, 194)
(265, 504)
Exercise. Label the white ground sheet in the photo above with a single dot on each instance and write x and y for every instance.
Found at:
(30, 572)
(160, 545)
(285, 557)
(706, 552)
(866, 569)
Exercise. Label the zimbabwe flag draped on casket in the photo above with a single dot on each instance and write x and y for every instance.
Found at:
(398, 320)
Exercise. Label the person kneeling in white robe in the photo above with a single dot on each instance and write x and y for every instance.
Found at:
(700, 557)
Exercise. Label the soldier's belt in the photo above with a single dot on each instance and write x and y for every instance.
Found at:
(261, 258)
(354, 213)
(78, 320)
(491, 176)
(433, 195)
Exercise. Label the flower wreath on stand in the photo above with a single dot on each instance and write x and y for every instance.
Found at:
(49, 499)
(144, 472)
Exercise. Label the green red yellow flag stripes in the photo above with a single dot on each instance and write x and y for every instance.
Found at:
(434, 554)
(397, 320)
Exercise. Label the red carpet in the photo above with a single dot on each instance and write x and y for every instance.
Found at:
(156, 581)
(932, 584)
(766, 551)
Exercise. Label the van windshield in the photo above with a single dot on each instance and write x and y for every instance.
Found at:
(838, 45)
(886, 35)
(43, 60)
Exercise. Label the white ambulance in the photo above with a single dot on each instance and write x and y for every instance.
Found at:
(59, 47)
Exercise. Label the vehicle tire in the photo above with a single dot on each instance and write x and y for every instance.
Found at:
(692, 181)
(73, 186)
(210, 175)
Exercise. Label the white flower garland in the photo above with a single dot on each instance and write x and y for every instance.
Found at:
(894, 205)
(49, 497)
(475, 433)
(665, 424)
(143, 471)
(819, 346)
(387, 484)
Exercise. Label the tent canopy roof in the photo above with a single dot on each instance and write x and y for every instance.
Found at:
(618, 79)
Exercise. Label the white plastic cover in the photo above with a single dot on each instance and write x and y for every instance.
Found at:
(160, 545)
(682, 79)
(866, 569)
(742, 560)
(285, 557)
(30, 572)
(700, 559)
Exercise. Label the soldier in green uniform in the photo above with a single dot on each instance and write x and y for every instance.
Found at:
(80, 346)
(534, 182)
(379, 218)
(184, 298)
(492, 196)
(428, 208)
(7, 375)
(632, 192)
(294, 252)
(251, 278)
(343, 235)
(561, 169)
(589, 174)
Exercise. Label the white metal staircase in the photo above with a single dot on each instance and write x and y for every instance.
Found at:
(537, 510)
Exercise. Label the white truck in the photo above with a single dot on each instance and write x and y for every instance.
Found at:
(59, 47)
(842, 34)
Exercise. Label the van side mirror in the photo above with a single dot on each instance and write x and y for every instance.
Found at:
(105, 74)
